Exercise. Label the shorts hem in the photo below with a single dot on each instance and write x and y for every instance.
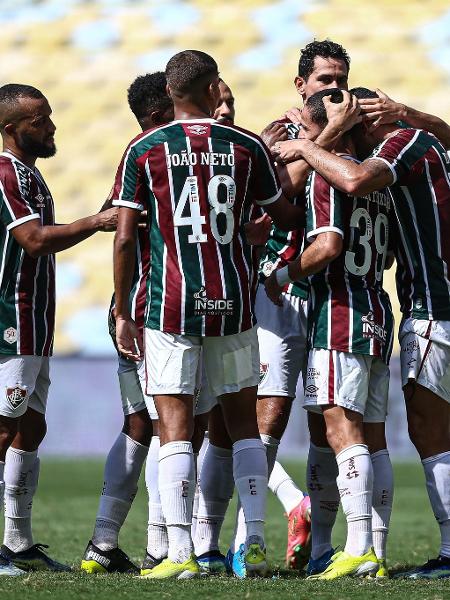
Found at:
(428, 386)
(346, 405)
(280, 393)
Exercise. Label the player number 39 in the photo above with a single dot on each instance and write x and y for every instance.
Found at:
(196, 220)
(364, 240)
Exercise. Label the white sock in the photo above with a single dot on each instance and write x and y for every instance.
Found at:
(2, 483)
(250, 477)
(284, 488)
(382, 498)
(21, 478)
(271, 445)
(437, 476)
(355, 483)
(321, 474)
(196, 495)
(176, 489)
(157, 542)
(122, 469)
(216, 489)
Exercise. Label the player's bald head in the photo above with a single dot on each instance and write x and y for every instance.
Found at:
(10, 96)
(189, 72)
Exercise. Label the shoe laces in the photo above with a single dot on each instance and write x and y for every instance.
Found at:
(38, 547)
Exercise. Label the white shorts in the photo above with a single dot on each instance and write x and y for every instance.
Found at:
(132, 388)
(24, 382)
(282, 333)
(354, 381)
(231, 362)
(425, 354)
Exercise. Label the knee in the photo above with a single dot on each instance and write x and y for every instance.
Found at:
(138, 427)
(8, 431)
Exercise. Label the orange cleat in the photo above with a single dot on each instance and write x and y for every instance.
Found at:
(299, 535)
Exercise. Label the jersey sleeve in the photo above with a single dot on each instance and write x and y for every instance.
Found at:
(15, 205)
(128, 188)
(324, 208)
(402, 151)
(265, 182)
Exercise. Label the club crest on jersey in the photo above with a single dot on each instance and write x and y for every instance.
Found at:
(267, 269)
(197, 129)
(372, 329)
(10, 335)
(211, 306)
(16, 395)
(263, 371)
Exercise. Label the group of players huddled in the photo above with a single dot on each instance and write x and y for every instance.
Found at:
(240, 263)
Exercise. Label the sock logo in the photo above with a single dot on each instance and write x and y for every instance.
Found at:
(352, 472)
(313, 482)
(384, 497)
(185, 489)
(252, 486)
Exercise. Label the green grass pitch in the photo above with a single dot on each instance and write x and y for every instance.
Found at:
(64, 512)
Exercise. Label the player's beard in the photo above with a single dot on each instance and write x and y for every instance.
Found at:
(34, 148)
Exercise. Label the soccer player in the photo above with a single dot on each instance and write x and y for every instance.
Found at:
(415, 166)
(29, 240)
(198, 178)
(351, 324)
(225, 111)
(149, 102)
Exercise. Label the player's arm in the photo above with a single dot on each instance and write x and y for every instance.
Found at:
(286, 216)
(128, 337)
(40, 240)
(325, 248)
(384, 110)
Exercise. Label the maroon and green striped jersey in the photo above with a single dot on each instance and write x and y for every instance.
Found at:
(27, 285)
(421, 194)
(198, 179)
(349, 309)
(284, 246)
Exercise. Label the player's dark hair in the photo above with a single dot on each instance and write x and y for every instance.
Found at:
(148, 93)
(9, 96)
(316, 107)
(325, 49)
(362, 92)
(189, 70)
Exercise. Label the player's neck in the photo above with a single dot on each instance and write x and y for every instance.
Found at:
(24, 158)
(345, 146)
(188, 110)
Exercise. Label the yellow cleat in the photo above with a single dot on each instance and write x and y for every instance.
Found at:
(344, 564)
(255, 561)
(169, 569)
(92, 566)
(382, 572)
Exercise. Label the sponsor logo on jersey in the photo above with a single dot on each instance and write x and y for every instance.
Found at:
(372, 329)
(263, 370)
(10, 335)
(211, 306)
(197, 129)
(16, 395)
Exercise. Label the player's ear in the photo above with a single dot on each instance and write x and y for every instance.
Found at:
(300, 84)
(168, 91)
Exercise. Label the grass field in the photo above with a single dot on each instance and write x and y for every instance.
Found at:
(64, 512)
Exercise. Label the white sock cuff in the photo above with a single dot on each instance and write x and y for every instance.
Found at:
(155, 514)
(383, 452)
(172, 448)
(436, 458)
(322, 449)
(351, 452)
(248, 444)
(218, 451)
(22, 453)
(268, 440)
(132, 445)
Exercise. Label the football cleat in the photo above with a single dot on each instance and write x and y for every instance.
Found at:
(169, 569)
(229, 562)
(255, 557)
(212, 563)
(115, 560)
(7, 568)
(436, 568)
(382, 572)
(238, 563)
(150, 562)
(318, 565)
(33, 559)
(299, 535)
(343, 564)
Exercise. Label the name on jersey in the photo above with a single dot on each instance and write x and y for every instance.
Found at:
(190, 159)
(380, 198)
(204, 306)
(372, 329)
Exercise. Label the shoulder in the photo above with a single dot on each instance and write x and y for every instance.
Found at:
(239, 135)
(150, 138)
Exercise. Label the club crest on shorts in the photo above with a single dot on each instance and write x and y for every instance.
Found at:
(16, 395)
(263, 370)
(10, 335)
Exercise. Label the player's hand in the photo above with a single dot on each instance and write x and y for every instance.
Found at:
(274, 132)
(257, 231)
(381, 110)
(107, 219)
(294, 115)
(344, 115)
(273, 290)
(128, 339)
(288, 151)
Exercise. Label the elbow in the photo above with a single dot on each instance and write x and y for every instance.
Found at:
(37, 247)
(124, 243)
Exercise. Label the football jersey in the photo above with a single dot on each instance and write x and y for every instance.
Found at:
(349, 309)
(284, 246)
(421, 194)
(198, 179)
(27, 285)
